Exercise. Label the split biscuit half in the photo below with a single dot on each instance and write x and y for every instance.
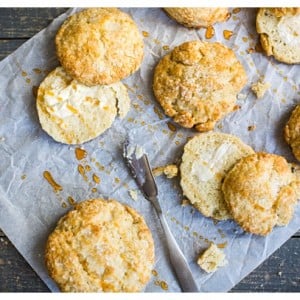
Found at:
(73, 113)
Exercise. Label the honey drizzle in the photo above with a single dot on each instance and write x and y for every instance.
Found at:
(96, 179)
(80, 153)
(56, 187)
(81, 171)
(210, 32)
(227, 34)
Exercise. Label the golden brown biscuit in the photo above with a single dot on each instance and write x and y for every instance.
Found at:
(73, 113)
(261, 192)
(197, 83)
(100, 246)
(206, 159)
(99, 46)
(197, 17)
(279, 30)
(292, 132)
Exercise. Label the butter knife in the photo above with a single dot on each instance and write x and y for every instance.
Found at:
(139, 165)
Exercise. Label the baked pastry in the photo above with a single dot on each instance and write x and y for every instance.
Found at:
(261, 191)
(279, 30)
(211, 259)
(206, 159)
(197, 83)
(292, 132)
(99, 46)
(73, 113)
(100, 246)
(197, 17)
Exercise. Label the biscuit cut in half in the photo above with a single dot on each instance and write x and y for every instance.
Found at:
(261, 192)
(100, 246)
(279, 30)
(292, 132)
(73, 113)
(197, 17)
(99, 46)
(206, 159)
(197, 83)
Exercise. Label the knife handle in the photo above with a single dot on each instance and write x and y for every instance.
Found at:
(177, 259)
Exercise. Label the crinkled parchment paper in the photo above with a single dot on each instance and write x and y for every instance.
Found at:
(29, 207)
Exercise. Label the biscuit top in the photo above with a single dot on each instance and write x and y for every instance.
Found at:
(289, 29)
(261, 192)
(197, 83)
(197, 17)
(101, 245)
(99, 46)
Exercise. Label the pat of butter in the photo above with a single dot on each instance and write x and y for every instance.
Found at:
(289, 30)
(208, 165)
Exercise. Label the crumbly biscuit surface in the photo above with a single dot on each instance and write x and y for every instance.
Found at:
(261, 192)
(196, 17)
(100, 246)
(206, 159)
(292, 132)
(197, 83)
(279, 30)
(73, 113)
(99, 46)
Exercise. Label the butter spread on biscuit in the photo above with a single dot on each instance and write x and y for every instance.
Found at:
(289, 30)
(207, 166)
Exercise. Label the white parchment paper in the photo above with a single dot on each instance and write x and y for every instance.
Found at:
(29, 208)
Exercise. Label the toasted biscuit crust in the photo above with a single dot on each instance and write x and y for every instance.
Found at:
(197, 83)
(279, 33)
(99, 46)
(100, 246)
(292, 132)
(261, 192)
(73, 113)
(196, 17)
(206, 159)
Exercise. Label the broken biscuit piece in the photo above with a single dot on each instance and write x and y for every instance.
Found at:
(169, 170)
(211, 259)
(259, 88)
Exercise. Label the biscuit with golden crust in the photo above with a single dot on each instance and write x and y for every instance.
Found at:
(206, 160)
(99, 46)
(100, 246)
(197, 17)
(261, 191)
(292, 132)
(279, 30)
(73, 113)
(197, 83)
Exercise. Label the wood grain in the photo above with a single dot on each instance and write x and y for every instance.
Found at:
(280, 273)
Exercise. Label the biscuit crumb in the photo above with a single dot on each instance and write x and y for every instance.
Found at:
(251, 127)
(211, 259)
(133, 194)
(185, 202)
(241, 96)
(259, 88)
(169, 170)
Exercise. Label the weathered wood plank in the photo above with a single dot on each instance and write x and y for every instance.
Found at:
(280, 273)
(8, 46)
(25, 22)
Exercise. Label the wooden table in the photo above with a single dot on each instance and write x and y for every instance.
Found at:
(280, 273)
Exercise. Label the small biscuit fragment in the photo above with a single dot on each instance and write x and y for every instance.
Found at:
(259, 88)
(73, 113)
(279, 30)
(197, 83)
(99, 46)
(100, 246)
(292, 132)
(205, 161)
(211, 259)
(261, 192)
(169, 170)
(196, 17)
